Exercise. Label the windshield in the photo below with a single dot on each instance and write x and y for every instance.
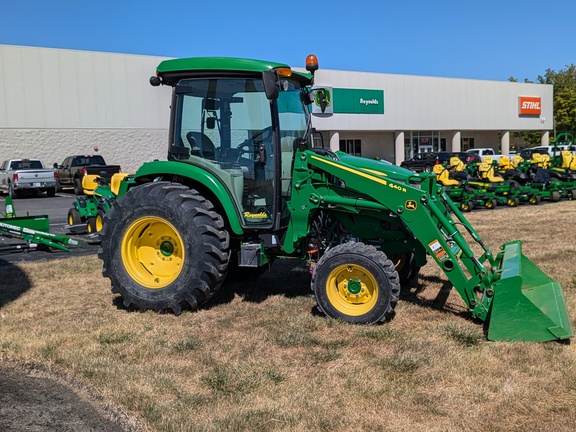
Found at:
(225, 125)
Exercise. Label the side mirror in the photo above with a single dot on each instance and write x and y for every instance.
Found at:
(55, 165)
(211, 122)
(270, 80)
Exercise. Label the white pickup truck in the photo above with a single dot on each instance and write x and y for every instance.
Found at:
(485, 152)
(19, 176)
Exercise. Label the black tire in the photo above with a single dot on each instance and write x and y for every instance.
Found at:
(573, 194)
(467, 206)
(427, 168)
(158, 216)
(99, 220)
(13, 192)
(51, 192)
(78, 190)
(356, 283)
(74, 217)
(535, 199)
(513, 202)
(555, 196)
(91, 225)
(405, 266)
(491, 204)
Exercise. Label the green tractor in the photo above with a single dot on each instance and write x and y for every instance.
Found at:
(247, 181)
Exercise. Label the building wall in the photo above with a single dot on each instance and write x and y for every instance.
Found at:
(55, 103)
(432, 103)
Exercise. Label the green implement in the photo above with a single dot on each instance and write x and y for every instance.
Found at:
(528, 304)
(34, 230)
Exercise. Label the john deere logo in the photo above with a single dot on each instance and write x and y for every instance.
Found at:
(322, 99)
(410, 205)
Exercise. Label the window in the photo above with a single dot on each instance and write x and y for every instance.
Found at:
(351, 146)
(467, 144)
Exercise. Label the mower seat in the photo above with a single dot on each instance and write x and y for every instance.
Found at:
(443, 176)
(540, 160)
(505, 164)
(115, 182)
(89, 183)
(486, 172)
(517, 160)
(568, 160)
(456, 164)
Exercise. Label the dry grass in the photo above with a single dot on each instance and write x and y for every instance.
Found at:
(260, 359)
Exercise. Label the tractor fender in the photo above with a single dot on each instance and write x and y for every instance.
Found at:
(151, 171)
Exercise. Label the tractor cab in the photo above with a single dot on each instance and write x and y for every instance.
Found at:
(243, 130)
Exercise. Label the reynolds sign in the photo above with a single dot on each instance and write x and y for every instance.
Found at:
(348, 101)
(358, 101)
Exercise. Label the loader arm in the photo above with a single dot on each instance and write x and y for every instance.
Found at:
(341, 183)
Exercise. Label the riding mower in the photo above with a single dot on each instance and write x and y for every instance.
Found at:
(484, 179)
(535, 174)
(454, 178)
(87, 213)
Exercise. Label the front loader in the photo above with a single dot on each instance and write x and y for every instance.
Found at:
(248, 181)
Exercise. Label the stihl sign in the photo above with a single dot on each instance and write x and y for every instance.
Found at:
(530, 106)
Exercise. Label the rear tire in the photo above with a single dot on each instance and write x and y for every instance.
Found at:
(145, 255)
(356, 283)
(13, 192)
(51, 192)
(78, 190)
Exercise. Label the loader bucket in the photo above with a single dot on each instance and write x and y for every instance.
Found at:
(528, 305)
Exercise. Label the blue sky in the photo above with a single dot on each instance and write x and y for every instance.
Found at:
(486, 39)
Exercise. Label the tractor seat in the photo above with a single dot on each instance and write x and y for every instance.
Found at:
(201, 145)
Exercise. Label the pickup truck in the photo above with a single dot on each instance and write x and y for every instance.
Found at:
(74, 168)
(485, 152)
(18, 176)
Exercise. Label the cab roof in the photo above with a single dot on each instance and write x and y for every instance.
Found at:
(172, 70)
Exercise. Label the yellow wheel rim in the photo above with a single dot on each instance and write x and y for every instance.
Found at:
(352, 290)
(99, 222)
(152, 252)
(70, 220)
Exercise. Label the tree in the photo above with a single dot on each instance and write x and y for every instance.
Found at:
(564, 82)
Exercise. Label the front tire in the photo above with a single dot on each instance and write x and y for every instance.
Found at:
(356, 283)
(164, 247)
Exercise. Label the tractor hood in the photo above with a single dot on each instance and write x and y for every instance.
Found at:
(381, 166)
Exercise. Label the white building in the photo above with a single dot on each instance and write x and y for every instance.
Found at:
(55, 103)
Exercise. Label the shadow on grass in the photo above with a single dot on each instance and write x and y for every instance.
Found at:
(290, 278)
(13, 282)
(439, 302)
